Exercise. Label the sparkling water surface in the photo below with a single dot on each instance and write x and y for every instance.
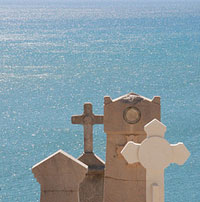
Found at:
(56, 56)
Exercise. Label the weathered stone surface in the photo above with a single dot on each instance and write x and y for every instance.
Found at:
(114, 121)
(95, 164)
(87, 119)
(91, 189)
(59, 176)
(116, 167)
(124, 120)
(123, 191)
(58, 196)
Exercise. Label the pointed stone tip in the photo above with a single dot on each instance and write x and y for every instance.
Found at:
(55, 155)
(87, 104)
(156, 99)
(72, 119)
(155, 128)
(180, 153)
(107, 100)
(132, 98)
(52, 155)
(132, 93)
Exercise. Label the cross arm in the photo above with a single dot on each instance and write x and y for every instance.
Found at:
(77, 119)
(98, 119)
(130, 152)
(180, 153)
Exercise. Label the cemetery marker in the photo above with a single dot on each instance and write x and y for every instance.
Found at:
(131, 134)
(59, 176)
(124, 120)
(155, 154)
(91, 189)
(87, 119)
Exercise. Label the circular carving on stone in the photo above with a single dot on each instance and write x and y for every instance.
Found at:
(155, 153)
(132, 115)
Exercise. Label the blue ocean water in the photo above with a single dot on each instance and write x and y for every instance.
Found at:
(54, 56)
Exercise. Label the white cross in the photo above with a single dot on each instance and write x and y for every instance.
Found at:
(155, 154)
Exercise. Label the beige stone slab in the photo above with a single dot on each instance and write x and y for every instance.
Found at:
(59, 196)
(91, 189)
(124, 191)
(124, 120)
(116, 166)
(60, 175)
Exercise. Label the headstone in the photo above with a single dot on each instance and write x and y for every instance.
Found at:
(155, 154)
(91, 189)
(59, 176)
(124, 120)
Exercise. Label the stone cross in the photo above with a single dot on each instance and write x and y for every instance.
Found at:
(87, 119)
(155, 154)
(91, 189)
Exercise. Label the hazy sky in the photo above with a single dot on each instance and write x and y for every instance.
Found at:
(82, 2)
(66, 1)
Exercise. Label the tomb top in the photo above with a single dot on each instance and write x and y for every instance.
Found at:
(62, 170)
(131, 98)
(129, 114)
(57, 157)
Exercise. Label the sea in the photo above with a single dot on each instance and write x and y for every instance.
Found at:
(57, 55)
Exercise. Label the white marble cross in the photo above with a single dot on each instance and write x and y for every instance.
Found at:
(155, 154)
(87, 119)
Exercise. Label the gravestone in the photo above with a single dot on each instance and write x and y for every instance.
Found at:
(124, 120)
(155, 154)
(59, 176)
(91, 189)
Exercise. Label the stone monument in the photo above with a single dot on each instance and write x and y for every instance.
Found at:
(91, 189)
(59, 176)
(155, 154)
(136, 156)
(124, 120)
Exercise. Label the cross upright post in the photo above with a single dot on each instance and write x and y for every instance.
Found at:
(87, 119)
